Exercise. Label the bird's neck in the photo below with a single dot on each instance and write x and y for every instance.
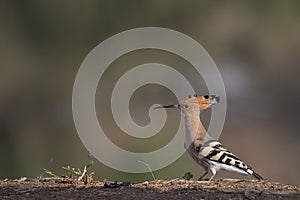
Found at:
(195, 132)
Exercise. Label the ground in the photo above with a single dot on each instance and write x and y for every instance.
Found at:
(164, 189)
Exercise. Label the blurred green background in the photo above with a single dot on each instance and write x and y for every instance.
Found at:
(255, 44)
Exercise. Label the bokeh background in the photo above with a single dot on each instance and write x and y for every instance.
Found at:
(255, 45)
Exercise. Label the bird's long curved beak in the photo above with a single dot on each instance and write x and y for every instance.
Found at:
(168, 106)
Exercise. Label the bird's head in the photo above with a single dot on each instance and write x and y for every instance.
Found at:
(194, 104)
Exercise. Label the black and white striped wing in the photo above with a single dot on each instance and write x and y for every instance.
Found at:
(216, 155)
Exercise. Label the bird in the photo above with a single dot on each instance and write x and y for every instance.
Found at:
(206, 151)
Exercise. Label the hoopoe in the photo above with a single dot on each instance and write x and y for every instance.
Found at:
(207, 152)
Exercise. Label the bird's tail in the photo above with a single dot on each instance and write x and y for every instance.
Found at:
(257, 176)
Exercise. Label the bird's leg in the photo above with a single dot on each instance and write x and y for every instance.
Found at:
(214, 172)
(204, 174)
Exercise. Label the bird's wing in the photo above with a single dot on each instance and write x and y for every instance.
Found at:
(214, 152)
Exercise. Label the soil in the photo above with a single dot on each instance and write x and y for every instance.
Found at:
(163, 189)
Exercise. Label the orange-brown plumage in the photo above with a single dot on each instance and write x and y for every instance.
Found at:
(209, 153)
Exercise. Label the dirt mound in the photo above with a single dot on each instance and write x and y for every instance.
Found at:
(165, 189)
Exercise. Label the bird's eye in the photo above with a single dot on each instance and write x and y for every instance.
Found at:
(206, 96)
(186, 106)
